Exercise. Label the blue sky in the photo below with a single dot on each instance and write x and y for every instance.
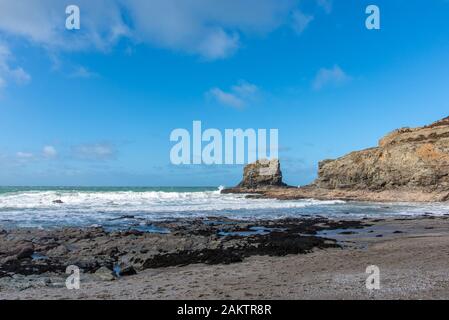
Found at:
(96, 106)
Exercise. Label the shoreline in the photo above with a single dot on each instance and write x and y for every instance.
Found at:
(312, 192)
(311, 258)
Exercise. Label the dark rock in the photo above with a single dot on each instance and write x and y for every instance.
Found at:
(29, 267)
(347, 233)
(184, 258)
(25, 252)
(132, 232)
(58, 202)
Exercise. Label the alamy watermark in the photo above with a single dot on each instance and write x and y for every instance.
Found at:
(234, 146)
(73, 280)
(73, 21)
(373, 280)
(372, 22)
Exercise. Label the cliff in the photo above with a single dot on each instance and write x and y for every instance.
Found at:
(409, 164)
(411, 159)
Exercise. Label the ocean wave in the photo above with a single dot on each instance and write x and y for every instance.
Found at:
(147, 201)
(54, 208)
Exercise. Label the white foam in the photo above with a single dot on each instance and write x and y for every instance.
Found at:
(37, 208)
(154, 201)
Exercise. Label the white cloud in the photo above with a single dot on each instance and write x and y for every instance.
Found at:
(8, 72)
(49, 152)
(43, 22)
(83, 72)
(245, 89)
(301, 21)
(334, 77)
(24, 155)
(226, 98)
(218, 45)
(99, 151)
(19, 75)
(237, 97)
(211, 29)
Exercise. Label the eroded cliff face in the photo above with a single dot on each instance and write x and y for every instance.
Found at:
(407, 159)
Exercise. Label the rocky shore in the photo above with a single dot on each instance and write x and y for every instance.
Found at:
(212, 258)
(110, 255)
(409, 164)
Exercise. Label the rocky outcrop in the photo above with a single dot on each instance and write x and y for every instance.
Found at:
(262, 174)
(406, 159)
(409, 164)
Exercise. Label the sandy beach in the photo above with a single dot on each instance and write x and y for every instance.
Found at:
(411, 253)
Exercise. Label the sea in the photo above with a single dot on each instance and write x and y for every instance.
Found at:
(126, 207)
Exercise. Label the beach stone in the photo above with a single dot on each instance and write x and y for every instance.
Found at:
(104, 274)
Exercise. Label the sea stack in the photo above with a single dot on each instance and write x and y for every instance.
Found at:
(260, 175)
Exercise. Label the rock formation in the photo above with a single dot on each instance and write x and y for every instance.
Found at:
(409, 164)
(412, 159)
(262, 174)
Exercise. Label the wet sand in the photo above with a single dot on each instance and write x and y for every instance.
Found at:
(412, 254)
